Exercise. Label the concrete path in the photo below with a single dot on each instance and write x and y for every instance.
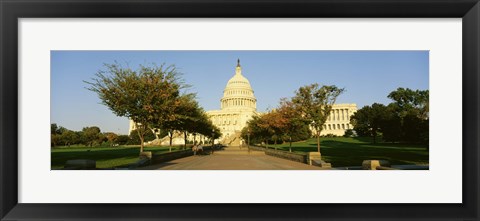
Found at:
(231, 158)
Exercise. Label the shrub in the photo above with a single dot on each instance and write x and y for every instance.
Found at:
(349, 133)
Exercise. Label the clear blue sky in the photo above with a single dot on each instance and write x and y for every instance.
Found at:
(367, 76)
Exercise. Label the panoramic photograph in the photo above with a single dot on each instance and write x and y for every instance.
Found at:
(239, 110)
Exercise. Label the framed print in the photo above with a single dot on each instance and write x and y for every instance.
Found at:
(235, 131)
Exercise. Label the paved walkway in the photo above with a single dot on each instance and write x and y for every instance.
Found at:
(232, 158)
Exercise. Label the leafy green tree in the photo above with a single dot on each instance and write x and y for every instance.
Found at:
(54, 135)
(392, 125)
(295, 128)
(204, 126)
(54, 129)
(369, 119)
(123, 139)
(409, 101)
(348, 133)
(55, 139)
(275, 123)
(216, 133)
(257, 130)
(69, 137)
(315, 104)
(91, 135)
(111, 138)
(134, 139)
(411, 107)
(185, 117)
(148, 95)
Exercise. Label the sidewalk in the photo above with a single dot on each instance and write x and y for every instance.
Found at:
(231, 158)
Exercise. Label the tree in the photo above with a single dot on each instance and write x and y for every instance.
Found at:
(122, 139)
(91, 135)
(405, 119)
(54, 135)
(111, 137)
(204, 126)
(216, 133)
(257, 131)
(410, 101)
(134, 139)
(148, 95)
(274, 123)
(392, 125)
(411, 107)
(54, 129)
(315, 104)
(54, 139)
(370, 119)
(348, 133)
(69, 137)
(295, 127)
(185, 117)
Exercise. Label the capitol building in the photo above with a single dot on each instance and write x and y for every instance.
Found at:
(238, 105)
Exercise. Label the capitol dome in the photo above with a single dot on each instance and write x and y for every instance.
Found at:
(238, 94)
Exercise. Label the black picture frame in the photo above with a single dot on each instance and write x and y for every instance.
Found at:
(11, 11)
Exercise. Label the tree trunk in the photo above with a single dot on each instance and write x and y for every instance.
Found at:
(156, 134)
(374, 133)
(185, 138)
(140, 135)
(318, 142)
(290, 148)
(171, 138)
(141, 144)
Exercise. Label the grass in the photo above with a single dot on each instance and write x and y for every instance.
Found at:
(341, 151)
(105, 157)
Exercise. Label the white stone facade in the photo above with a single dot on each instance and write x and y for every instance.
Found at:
(339, 120)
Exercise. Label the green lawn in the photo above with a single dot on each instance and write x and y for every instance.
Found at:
(341, 151)
(106, 157)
